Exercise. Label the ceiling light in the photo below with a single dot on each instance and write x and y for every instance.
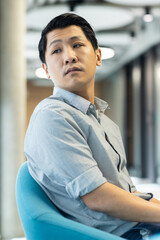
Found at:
(107, 53)
(43, 15)
(102, 17)
(40, 73)
(148, 18)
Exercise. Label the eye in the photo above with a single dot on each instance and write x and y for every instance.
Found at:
(77, 45)
(56, 51)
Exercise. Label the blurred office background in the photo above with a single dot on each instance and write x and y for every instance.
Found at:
(128, 31)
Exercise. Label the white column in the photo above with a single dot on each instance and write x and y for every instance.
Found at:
(13, 109)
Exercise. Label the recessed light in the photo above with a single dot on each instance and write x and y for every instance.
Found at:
(40, 73)
(107, 53)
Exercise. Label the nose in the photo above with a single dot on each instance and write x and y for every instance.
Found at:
(70, 56)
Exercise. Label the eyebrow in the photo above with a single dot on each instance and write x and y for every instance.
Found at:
(70, 39)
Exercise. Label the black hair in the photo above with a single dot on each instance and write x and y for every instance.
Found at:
(62, 21)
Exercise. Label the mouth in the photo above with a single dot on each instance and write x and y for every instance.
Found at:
(74, 69)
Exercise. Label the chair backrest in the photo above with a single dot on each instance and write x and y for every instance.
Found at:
(41, 220)
(33, 204)
(155, 237)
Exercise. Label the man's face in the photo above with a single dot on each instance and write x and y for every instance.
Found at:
(70, 59)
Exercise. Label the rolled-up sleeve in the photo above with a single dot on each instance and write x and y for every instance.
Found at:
(86, 182)
(63, 154)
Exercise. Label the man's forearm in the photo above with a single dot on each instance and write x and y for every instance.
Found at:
(118, 203)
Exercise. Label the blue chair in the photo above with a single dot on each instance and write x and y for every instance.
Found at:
(155, 237)
(41, 220)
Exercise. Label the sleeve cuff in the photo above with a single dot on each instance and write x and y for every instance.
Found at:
(85, 183)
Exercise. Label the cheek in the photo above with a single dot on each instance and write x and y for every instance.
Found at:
(52, 66)
(55, 71)
(90, 55)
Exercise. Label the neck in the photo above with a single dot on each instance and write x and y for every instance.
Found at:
(87, 94)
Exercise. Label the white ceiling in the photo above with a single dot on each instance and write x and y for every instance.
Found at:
(117, 22)
(136, 3)
(100, 17)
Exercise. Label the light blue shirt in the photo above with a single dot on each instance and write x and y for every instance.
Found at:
(69, 156)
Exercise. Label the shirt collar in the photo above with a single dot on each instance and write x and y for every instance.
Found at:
(79, 102)
(101, 105)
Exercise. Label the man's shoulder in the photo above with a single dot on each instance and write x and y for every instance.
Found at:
(52, 113)
(50, 104)
(53, 108)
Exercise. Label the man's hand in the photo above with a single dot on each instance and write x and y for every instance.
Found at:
(119, 203)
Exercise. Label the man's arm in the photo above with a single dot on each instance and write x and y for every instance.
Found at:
(119, 203)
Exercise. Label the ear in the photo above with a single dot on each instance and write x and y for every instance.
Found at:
(99, 57)
(44, 66)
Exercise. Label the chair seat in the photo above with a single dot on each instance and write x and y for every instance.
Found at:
(41, 220)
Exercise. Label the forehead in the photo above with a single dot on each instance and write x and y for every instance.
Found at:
(63, 34)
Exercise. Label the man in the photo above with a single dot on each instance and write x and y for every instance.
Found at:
(74, 151)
